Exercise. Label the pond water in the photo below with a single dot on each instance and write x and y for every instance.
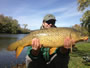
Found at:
(8, 58)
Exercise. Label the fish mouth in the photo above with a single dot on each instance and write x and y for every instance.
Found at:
(85, 38)
(82, 39)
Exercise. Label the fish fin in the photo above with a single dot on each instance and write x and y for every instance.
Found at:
(71, 48)
(71, 43)
(12, 47)
(52, 50)
(18, 51)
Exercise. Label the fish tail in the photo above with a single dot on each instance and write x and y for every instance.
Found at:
(13, 46)
(19, 50)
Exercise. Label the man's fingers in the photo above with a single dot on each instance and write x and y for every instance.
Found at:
(33, 43)
(36, 44)
(40, 45)
(68, 42)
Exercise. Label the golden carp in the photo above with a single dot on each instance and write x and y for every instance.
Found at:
(52, 37)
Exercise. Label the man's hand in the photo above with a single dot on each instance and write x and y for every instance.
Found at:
(36, 46)
(68, 42)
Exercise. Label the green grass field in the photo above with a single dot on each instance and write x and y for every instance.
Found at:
(76, 57)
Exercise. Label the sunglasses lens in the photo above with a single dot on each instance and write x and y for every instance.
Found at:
(48, 23)
(51, 22)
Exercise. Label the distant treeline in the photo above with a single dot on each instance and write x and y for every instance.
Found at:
(11, 26)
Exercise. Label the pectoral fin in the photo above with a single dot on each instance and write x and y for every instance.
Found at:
(18, 51)
(52, 50)
(71, 48)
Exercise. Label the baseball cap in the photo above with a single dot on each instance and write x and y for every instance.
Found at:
(49, 17)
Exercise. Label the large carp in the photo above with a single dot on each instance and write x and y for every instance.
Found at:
(52, 37)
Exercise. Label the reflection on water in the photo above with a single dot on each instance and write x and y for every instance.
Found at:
(7, 58)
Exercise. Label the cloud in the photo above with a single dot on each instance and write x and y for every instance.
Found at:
(34, 22)
(32, 12)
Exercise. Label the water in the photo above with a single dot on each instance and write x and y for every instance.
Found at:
(8, 58)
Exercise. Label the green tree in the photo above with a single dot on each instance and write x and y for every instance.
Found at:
(80, 28)
(10, 25)
(25, 25)
(83, 4)
(86, 20)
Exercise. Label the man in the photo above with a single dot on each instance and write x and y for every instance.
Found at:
(40, 57)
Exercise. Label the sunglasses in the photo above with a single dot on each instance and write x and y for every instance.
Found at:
(51, 22)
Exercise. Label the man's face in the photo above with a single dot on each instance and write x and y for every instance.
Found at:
(49, 23)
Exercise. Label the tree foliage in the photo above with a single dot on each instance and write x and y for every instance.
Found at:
(10, 25)
(86, 20)
(25, 25)
(80, 28)
(83, 4)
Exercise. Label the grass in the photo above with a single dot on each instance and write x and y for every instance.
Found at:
(76, 57)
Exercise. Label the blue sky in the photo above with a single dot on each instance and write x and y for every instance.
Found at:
(31, 12)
